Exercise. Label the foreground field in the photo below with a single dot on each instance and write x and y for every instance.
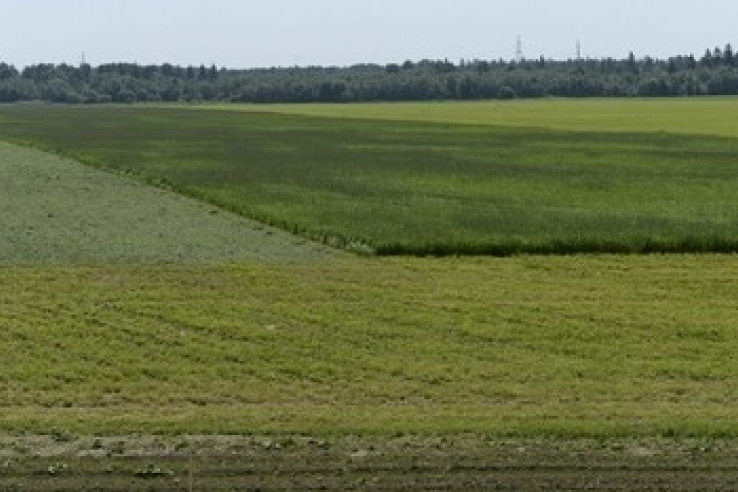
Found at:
(372, 374)
(54, 211)
(356, 373)
(420, 187)
(559, 347)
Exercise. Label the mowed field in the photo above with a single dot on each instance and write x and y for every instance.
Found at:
(260, 360)
(567, 347)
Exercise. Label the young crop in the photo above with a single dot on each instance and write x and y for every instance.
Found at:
(55, 211)
(531, 346)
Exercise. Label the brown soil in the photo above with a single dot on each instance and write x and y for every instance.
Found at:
(453, 463)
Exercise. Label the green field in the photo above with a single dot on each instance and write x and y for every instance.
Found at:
(153, 341)
(565, 347)
(423, 187)
(54, 211)
(688, 116)
(458, 463)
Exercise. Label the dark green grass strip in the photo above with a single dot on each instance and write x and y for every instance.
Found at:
(690, 245)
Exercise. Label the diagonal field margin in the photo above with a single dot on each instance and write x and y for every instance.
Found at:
(56, 211)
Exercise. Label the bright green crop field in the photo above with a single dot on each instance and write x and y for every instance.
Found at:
(409, 184)
(54, 211)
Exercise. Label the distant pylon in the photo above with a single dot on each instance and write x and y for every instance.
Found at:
(579, 49)
(519, 50)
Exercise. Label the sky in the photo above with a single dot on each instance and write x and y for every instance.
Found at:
(265, 33)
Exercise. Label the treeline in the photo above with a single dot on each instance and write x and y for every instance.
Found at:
(714, 73)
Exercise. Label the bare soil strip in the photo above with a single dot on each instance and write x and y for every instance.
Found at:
(352, 463)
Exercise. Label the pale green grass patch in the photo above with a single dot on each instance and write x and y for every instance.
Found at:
(577, 346)
(57, 211)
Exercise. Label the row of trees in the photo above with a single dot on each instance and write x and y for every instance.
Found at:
(715, 73)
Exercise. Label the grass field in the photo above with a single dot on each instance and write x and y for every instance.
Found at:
(561, 347)
(424, 187)
(403, 463)
(56, 211)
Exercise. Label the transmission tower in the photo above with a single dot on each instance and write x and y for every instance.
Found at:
(579, 50)
(519, 50)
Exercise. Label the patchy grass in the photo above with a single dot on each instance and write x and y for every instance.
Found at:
(54, 211)
(557, 347)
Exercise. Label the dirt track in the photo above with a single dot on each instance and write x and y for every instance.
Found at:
(368, 464)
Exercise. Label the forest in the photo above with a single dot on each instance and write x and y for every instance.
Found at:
(714, 73)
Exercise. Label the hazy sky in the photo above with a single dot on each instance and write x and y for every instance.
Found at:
(248, 33)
